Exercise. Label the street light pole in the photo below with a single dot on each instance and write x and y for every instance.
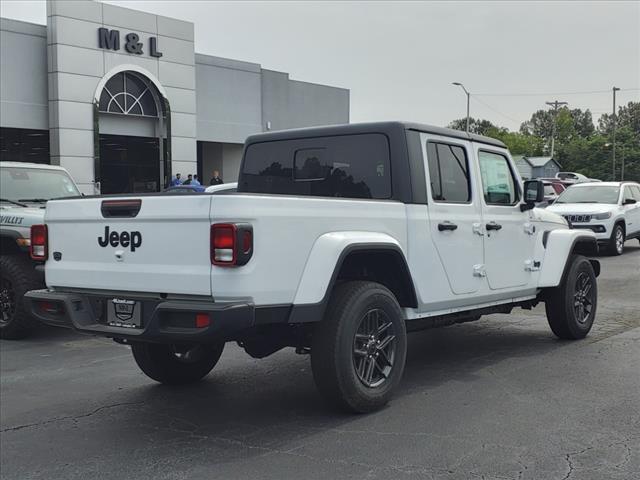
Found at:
(468, 101)
(613, 149)
(555, 104)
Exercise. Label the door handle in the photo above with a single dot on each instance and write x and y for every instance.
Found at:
(447, 226)
(493, 226)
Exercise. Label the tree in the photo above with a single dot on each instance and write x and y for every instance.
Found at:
(628, 116)
(540, 124)
(569, 123)
(583, 122)
(519, 143)
(477, 126)
(580, 147)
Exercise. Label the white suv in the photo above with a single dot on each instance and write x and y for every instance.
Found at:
(610, 209)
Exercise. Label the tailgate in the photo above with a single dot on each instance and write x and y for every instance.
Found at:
(163, 248)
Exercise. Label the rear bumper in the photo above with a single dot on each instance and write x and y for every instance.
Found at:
(163, 321)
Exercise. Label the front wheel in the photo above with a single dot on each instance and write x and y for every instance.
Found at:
(616, 242)
(176, 364)
(359, 349)
(571, 306)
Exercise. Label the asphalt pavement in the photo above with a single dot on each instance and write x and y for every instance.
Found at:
(500, 398)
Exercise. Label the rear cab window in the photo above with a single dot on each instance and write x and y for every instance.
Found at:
(344, 166)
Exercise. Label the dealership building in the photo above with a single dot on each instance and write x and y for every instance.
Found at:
(121, 99)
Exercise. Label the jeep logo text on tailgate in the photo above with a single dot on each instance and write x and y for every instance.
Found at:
(126, 239)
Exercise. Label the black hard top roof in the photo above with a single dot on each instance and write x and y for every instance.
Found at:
(371, 127)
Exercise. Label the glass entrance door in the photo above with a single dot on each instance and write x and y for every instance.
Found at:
(129, 164)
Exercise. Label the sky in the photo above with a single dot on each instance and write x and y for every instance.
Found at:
(400, 58)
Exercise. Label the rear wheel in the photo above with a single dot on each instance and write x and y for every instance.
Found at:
(17, 277)
(616, 242)
(571, 306)
(359, 349)
(176, 364)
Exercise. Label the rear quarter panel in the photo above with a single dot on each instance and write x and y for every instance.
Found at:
(285, 232)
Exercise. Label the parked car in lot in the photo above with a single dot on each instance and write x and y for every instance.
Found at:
(183, 189)
(24, 190)
(222, 188)
(610, 209)
(552, 188)
(337, 242)
(180, 189)
(573, 177)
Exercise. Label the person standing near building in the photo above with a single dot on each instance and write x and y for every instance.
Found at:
(175, 181)
(195, 181)
(216, 180)
(188, 180)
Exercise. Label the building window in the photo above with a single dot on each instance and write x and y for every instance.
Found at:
(128, 94)
(24, 145)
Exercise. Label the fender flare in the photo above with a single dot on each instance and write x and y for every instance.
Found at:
(559, 245)
(12, 236)
(323, 266)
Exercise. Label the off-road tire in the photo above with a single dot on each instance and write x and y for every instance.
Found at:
(333, 351)
(562, 301)
(17, 277)
(163, 364)
(614, 248)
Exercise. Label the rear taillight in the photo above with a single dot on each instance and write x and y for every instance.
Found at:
(39, 240)
(231, 244)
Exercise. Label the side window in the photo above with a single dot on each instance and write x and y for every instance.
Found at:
(448, 173)
(628, 195)
(498, 184)
(635, 189)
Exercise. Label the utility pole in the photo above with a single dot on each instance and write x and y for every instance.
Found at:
(468, 101)
(613, 149)
(555, 104)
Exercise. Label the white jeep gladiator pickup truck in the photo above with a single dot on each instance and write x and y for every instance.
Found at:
(338, 241)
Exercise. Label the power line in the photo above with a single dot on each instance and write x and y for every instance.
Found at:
(590, 92)
(475, 97)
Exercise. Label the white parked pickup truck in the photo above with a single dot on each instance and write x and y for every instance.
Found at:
(338, 241)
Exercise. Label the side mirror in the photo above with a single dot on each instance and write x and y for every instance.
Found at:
(629, 201)
(533, 193)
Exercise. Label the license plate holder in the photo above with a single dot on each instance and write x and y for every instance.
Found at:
(124, 313)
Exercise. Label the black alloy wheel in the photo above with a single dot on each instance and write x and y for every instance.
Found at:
(583, 297)
(374, 348)
(7, 301)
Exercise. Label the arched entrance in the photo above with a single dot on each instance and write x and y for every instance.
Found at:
(132, 135)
